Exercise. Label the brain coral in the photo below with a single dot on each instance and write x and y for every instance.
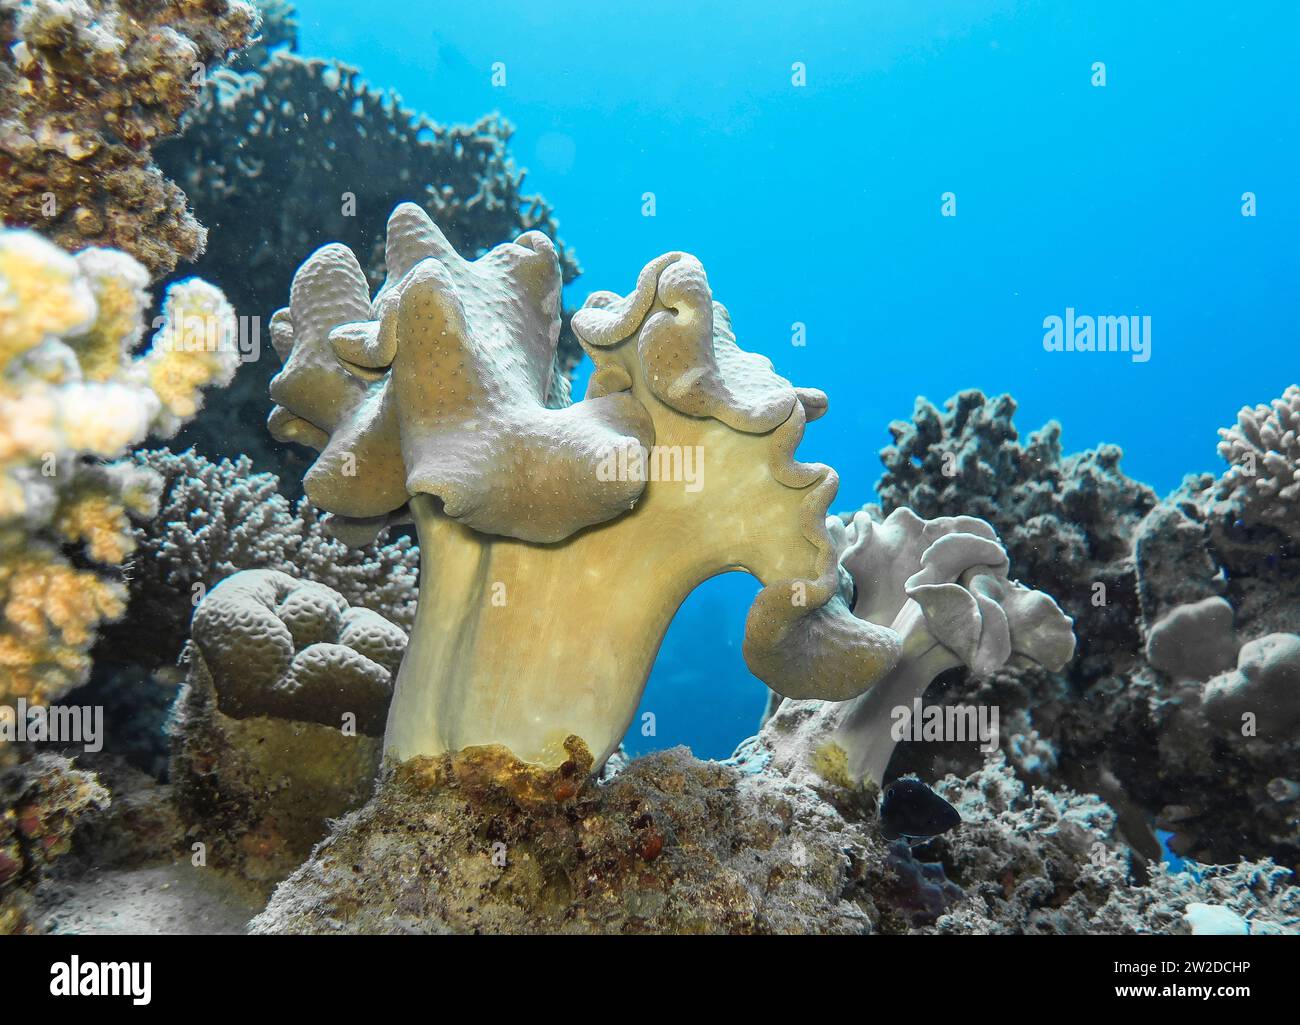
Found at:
(90, 86)
(72, 395)
(278, 728)
(429, 400)
(292, 649)
(217, 518)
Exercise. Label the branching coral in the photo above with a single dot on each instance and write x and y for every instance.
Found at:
(71, 395)
(1262, 483)
(434, 394)
(90, 86)
(215, 519)
(943, 586)
(1067, 521)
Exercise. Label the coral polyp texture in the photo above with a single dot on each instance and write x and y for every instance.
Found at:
(294, 649)
(943, 586)
(429, 401)
(91, 86)
(74, 398)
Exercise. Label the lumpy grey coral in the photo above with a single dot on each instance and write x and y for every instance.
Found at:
(81, 172)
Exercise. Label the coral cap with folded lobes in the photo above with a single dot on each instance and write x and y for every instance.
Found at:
(557, 544)
(942, 585)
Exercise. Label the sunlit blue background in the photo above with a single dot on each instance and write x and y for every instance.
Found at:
(822, 205)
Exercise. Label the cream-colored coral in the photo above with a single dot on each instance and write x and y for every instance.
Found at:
(943, 586)
(1262, 484)
(72, 396)
(557, 544)
(295, 649)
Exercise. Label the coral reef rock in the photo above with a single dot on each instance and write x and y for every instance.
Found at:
(478, 843)
(1033, 860)
(90, 87)
(41, 804)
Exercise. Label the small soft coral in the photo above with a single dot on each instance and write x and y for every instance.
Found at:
(943, 586)
(429, 400)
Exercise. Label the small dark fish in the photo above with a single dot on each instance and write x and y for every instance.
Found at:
(911, 810)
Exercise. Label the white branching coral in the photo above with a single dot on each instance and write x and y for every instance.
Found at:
(942, 585)
(1262, 482)
(73, 401)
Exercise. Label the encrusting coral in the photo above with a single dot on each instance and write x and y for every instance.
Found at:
(90, 87)
(430, 399)
(943, 586)
(41, 803)
(72, 395)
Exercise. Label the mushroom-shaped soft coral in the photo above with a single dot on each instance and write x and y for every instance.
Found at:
(439, 388)
(942, 586)
(557, 544)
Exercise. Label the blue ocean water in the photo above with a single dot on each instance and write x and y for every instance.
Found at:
(820, 204)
